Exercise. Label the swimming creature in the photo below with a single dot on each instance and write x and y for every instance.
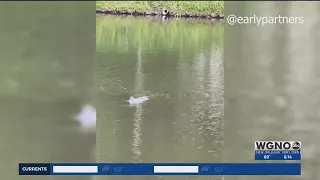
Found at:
(139, 100)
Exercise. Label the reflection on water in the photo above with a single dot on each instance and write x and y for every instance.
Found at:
(272, 84)
(179, 64)
(41, 89)
(137, 125)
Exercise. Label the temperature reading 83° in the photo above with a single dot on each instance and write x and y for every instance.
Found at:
(287, 157)
(266, 156)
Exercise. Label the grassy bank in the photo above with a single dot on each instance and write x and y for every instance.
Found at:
(176, 8)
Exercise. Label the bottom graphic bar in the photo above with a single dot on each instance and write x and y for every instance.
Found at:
(223, 169)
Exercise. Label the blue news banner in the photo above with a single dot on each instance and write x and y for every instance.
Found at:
(223, 169)
(277, 155)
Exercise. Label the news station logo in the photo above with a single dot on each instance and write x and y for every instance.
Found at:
(280, 146)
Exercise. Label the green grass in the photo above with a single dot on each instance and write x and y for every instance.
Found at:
(176, 7)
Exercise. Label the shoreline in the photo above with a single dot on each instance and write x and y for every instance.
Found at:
(164, 14)
(163, 9)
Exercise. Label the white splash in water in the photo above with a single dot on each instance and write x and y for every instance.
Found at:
(87, 117)
(139, 100)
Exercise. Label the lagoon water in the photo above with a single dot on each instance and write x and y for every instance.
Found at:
(179, 65)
